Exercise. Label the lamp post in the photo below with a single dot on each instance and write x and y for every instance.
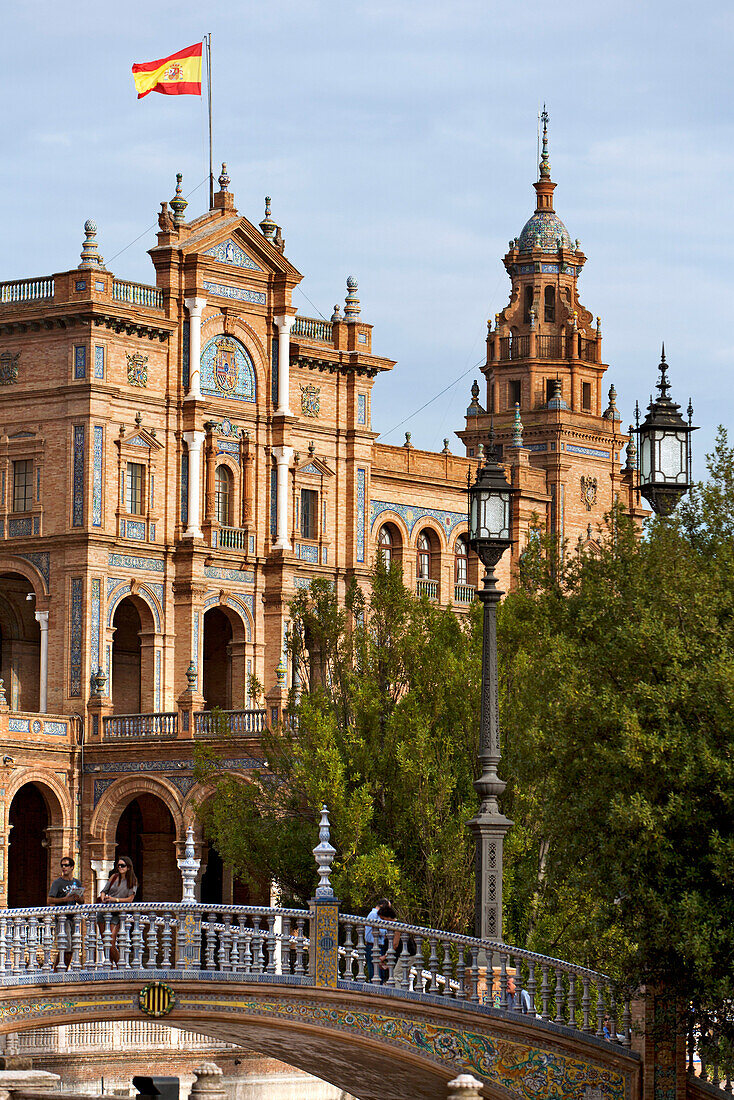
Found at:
(489, 537)
(664, 449)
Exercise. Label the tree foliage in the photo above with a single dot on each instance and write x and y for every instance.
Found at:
(618, 718)
(384, 732)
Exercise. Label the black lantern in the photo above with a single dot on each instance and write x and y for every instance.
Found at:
(489, 512)
(664, 449)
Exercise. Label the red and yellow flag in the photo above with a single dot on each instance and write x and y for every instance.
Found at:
(179, 74)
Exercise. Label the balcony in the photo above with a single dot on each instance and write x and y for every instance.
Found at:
(230, 538)
(427, 588)
(137, 294)
(464, 593)
(27, 290)
(210, 723)
(141, 727)
(313, 329)
(168, 725)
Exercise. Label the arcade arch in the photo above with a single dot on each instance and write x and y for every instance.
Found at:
(224, 664)
(133, 648)
(35, 839)
(20, 642)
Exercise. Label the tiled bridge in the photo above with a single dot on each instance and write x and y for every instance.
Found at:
(294, 984)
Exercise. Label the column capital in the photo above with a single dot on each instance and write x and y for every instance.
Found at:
(285, 321)
(42, 619)
(195, 306)
(194, 440)
(282, 454)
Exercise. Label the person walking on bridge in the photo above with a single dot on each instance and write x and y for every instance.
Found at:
(66, 890)
(121, 886)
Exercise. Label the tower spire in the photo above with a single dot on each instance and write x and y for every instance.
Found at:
(544, 186)
(544, 161)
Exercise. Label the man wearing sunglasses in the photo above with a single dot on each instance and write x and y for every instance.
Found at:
(66, 890)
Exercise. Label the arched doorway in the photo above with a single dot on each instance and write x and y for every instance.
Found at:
(20, 642)
(220, 886)
(132, 657)
(146, 832)
(28, 848)
(218, 637)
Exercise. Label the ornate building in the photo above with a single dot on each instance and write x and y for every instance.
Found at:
(176, 460)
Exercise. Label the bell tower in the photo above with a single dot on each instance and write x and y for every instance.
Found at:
(544, 376)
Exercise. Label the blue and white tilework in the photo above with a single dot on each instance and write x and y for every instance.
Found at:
(273, 502)
(361, 483)
(158, 665)
(42, 562)
(95, 624)
(36, 525)
(236, 293)
(542, 231)
(129, 561)
(136, 530)
(38, 484)
(228, 252)
(99, 353)
(361, 408)
(17, 528)
(185, 358)
(227, 369)
(411, 515)
(75, 648)
(573, 449)
(80, 362)
(78, 477)
(247, 576)
(307, 553)
(195, 646)
(97, 476)
(185, 487)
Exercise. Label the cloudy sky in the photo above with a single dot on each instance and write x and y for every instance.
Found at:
(397, 140)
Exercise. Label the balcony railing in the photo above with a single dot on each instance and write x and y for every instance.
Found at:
(137, 294)
(587, 351)
(549, 347)
(162, 726)
(427, 588)
(208, 723)
(313, 329)
(27, 290)
(232, 538)
(464, 593)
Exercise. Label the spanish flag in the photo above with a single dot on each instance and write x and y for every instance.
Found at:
(179, 74)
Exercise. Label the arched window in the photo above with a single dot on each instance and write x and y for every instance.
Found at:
(528, 303)
(550, 304)
(424, 557)
(385, 546)
(223, 495)
(461, 560)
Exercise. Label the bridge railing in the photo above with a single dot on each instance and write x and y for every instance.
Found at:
(445, 964)
(258, 942)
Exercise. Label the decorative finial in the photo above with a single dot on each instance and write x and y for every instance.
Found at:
(192, 676)
(544, 161)
(637, 413)
(99, 680)
(532, 318)
(138, 418)
(189, 867)
(663, 384)
(407, 440)
(268, 227)
(351, 302)
(178, 202)
(90, 254)
(689, 410)
(598, 326)
(631, 463)
(445, 450)
(324, 853)
(517, 428)
(612, 412)
(223, 180)
(281, 672)
(480, 453)
(312, 448)
(588, 531)
(337, 314)
(475, 391)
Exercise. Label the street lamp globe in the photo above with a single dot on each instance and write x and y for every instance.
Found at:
(664, 449)
(489, 512)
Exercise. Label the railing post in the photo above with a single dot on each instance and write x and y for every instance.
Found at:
(324, 909)
(464, 1087)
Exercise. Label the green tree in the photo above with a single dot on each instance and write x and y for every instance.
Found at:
(385, 733)
(618, 717)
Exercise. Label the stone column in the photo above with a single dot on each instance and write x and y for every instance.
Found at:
(284, 324)
(282, 456)
(102, 870)
(208, 1083)
(42, 620)
(194, 441)
(195, 306)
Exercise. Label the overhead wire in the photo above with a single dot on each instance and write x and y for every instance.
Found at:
(155, 223)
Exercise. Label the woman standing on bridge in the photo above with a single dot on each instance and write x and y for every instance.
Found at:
(121, 886)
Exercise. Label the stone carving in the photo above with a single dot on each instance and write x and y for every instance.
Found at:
(9, 368)
(137, 369)
(588, 491)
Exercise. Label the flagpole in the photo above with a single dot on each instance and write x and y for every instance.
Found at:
(208, 38)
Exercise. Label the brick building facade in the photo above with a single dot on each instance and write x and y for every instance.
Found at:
(176, 460)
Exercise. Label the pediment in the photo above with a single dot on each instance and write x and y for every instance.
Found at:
(140, 438)
(236, 243)
(316, 467)
(229, 252)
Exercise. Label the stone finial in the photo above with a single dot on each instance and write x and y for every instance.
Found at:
(337, 314)
(223, 180)
(598, 326)
(464, 1087)
(281, 672)
(312, 448)
(631, 451)
(511, 245)
(208, 1083)
(189, 868)
(446, 450)
(352, 307)
(480, 453)
(407, 440)
(324, 853)
(612, 413)
(138, 419)
(533, 318)
(279, 240)
(178, 202)
(588, 531)
(545, 168)
(474, 391)
(192, 676)
(99, 681)
(90, 253)
(577, 243)
(517, 428)
(267, 225)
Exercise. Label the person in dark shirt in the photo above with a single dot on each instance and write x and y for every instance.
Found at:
(66, 890)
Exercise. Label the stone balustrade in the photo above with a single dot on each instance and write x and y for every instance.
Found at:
(313, 329)
(27, 290)
(137, 294)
